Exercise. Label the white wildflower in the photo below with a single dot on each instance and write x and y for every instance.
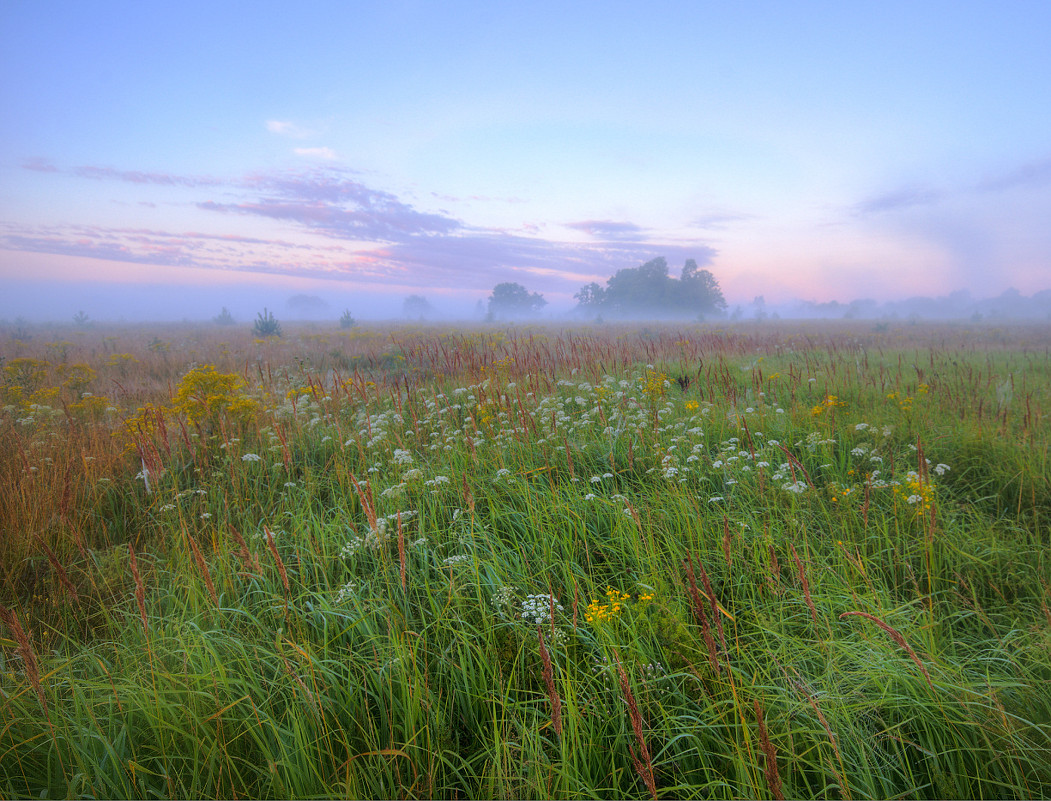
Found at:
(345, 592)
(537, 609)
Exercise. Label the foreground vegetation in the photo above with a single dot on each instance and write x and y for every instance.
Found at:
(692, 562)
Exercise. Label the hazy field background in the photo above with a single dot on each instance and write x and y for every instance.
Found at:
(763, 560)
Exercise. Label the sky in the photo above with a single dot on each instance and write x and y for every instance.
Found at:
(159, 160)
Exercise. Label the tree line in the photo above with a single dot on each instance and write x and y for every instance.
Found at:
(645, 291)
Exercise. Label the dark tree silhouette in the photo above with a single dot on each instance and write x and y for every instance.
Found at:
(417, 307)
(511, 300)
(649, 290)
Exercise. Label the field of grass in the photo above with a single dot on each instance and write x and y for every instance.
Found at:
(668, 562)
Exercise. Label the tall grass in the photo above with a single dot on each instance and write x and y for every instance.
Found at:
(762, 562)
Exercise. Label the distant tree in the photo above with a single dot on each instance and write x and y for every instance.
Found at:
(307, 306)
(591, 297)
(514, 300)
(81, 320)
(639, 290)
(21, 330)
(862, 307)
(759, 305)
(224, 317)
(699, 291)
(346, 320)
(650, 290)
(416, 307)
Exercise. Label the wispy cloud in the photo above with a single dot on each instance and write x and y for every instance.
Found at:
(137, 177)
(609, 229)
(326, 153)
(291, 129)
(1033, 174)
(347, 230)
(331, 204)
(38, 164)
(100, 173)
(719, 220)
(896, 200)
(479, 259)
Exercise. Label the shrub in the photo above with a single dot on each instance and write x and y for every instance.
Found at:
(266, 325)
(224, 317)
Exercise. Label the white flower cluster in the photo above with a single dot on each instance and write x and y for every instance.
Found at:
(376, 538)
(346, 592)
(536, 609)
(503, 599)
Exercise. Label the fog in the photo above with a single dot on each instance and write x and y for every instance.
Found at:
(50, 302)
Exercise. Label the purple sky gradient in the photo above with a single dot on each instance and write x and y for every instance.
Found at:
(368, 151)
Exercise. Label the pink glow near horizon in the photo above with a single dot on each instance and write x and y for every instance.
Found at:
(535, 150)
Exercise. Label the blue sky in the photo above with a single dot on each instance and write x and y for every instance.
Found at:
(198, 152)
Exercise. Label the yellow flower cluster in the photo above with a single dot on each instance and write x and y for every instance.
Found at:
(77, 376)
(918, 492)
(830, 402)
(904, 402)
(92, 407)
(836, 492)
(204, 393)
(145, 424)
(654, 385)
(25, 372)
(598, 612)
(501, 368)
(485, 414)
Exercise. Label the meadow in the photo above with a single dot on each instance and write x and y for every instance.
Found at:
(749, 561)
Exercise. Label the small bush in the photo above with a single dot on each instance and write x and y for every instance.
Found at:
(224, 317)
(266, 325)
